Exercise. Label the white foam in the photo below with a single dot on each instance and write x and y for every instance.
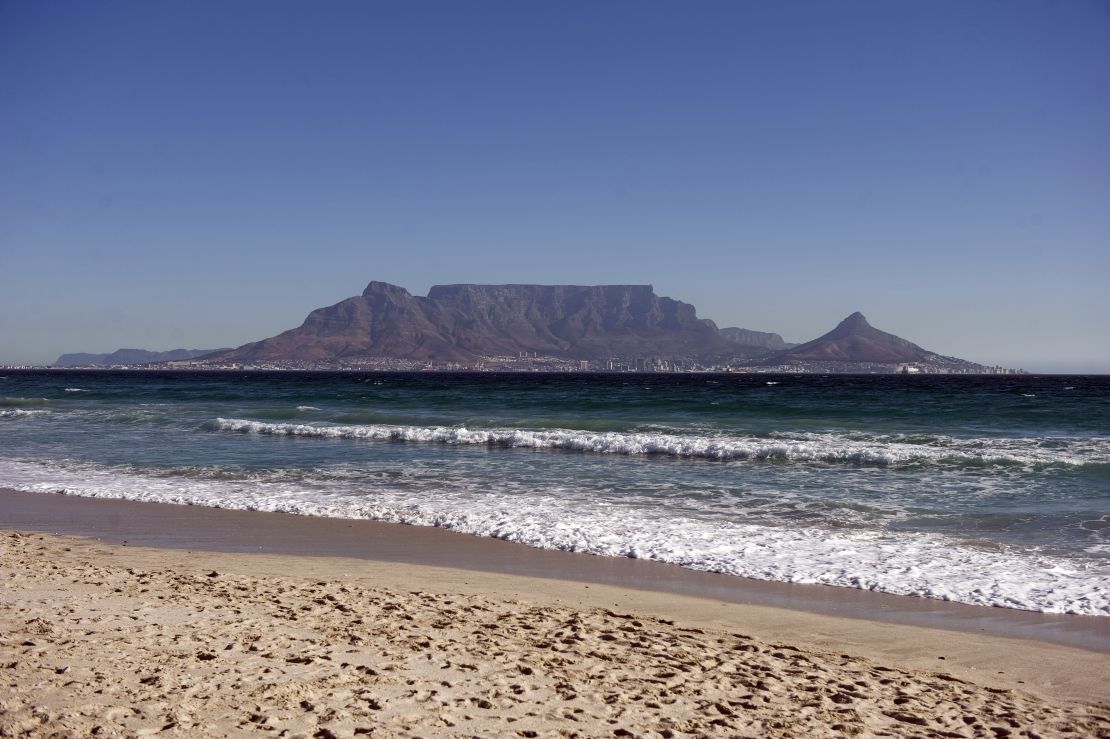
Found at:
(307, 408)
(18, 412)
(76, 390)
(804, 447)
(927, 565)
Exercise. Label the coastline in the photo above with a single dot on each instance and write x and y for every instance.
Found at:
(1056, 657)
(172, 526)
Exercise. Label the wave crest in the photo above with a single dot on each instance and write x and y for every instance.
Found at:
(18, 413)
(832, 448)
(21, 402)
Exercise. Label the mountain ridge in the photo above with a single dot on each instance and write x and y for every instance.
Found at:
(129, 356)
(464, 322)
(762, 339)
(856, 340)
(558, 327)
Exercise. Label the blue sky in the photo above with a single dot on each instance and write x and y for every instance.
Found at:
(203, 174)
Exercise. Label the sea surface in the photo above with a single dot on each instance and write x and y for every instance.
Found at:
(985, 490)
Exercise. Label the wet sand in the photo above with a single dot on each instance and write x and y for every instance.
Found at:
(227, 626)
(165, 525)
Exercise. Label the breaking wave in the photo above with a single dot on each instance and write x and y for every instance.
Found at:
(810, 447)
(18, 412)
(920, 564)
(22, 402)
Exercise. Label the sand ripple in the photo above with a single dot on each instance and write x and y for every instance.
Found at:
(97, 648)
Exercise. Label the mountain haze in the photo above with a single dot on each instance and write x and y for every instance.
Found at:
(460, 323)
(619, 326)
(761, 339)
(129, 356)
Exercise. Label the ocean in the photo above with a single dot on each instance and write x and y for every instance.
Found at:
(990, 490)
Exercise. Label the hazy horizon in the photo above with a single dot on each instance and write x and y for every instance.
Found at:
(203, 175)
(1044, 368)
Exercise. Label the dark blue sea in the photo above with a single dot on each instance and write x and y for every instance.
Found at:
(987, 490)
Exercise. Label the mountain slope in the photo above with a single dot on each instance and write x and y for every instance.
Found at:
(755, 339)
(856, 340)
(129, 356)
(464, 322)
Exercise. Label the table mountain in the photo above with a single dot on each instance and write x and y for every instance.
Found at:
(460, 323)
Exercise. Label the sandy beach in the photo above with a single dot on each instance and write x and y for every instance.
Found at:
(108, 639)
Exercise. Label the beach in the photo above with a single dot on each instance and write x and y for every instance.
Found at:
(106, 638)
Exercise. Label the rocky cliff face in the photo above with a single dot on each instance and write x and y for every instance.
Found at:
(385, 321)
(756, 339)
(855, 340)
(464, 322)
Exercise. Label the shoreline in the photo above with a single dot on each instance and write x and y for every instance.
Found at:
(173, 526)
(132, 618)
(167, 525)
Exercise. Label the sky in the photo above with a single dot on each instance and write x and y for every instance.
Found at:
(203, 174)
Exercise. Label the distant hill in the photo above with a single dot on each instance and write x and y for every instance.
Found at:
(756, 339)
(465, 323)
(459, 323)
(129, 356)
(856, 340)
